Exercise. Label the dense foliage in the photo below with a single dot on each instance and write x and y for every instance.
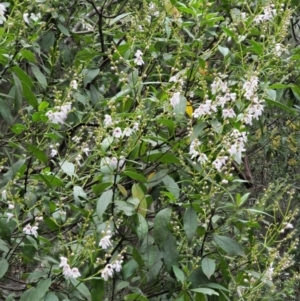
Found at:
(124, 170)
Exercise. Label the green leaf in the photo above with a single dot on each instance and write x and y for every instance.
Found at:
(190, 222)
(135, 297)
(39, 292)
(5, 112)
(24, 78)
(51, 297)
(179, 111)
(142, 227)
(282, 106)
(12, 172)
(138, 193)
(223, 50)
(170, 253)
(28, 55)
(50, 180)
(99, 188)
(63, 30)
(68, 168)
(119, 17)
(256, 47)
(103, 202)
(229, 245)
(3, 267)
(48, 41)
(172, 186)
(161, 157)
(178, 273)
(208, 267)
(17, 128)
(205, 291)
(79, 194)
(89, 75)
(82, 288)
(129, 268)
(37, 153)
(39, 75)
(98, 289)
(135, 176)
(18, 92)
(161, 226)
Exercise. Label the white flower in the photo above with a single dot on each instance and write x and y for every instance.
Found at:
(39, 218)
(108, 120)
(228, 113)
(219, 162)
(255, 110)
(73, 84)
(34, 17)
(202, 158)
(63, 262)
(218, 85)
(25, 18)
(135, 126)
(9, 216)
(2, 13)
(113, 162)
(67, 272)
(173, 79)
(86, 150)
(193, 152)
(175, 99)
(289, 226)
(107, 272)
(127, 132)
(117, 133)
(138, 58)
(31, 230)
(269, 272)
(60, 116)
(53, 153)
(11, 206)
(4, 195)
(75, 273)
(117, 266)
(248, 118)
(105, 242)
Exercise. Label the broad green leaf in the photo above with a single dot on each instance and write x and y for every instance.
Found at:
(99, 188)
(135, 297)
(28, 55)
(50, 180)
(190, 222)
(170, 253)
(205, 291)
(282, 106)
(217, 286)
(171, 186)
(138, 193)
(208, 267)
(18, 92)
(63, 30)
(3, 267)
(135, 176)
(229, 245)
(79, 194)
(178, 273)
(161, 226)
(98, 289)
(5, 112)
(118, 18)
(12, 172)
(48, 41)
(38, 154)
(161, 157)
(82, 288)
(142, 227)
(51, 297)
(180, 109)
(156, 178)
(39, 75)
(129, 268)
(89, 75)
(23, 76)
(10, 297)
(39, 292)
(68, 168)
(17, 128)
(223, 50)
(103, 202)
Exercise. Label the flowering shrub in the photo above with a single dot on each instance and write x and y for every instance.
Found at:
(124, 125)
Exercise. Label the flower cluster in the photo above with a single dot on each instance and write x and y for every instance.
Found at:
(117, 131)
(60, 116)
(194, 152)
(237, 146)
(2, 13)
(32, 17)
(175, 99)
(138, 58)
(31, 230)
(109, 269)
(67, 271)
(268, 14)
(205, 109)
(219, 162)
(105, 241)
